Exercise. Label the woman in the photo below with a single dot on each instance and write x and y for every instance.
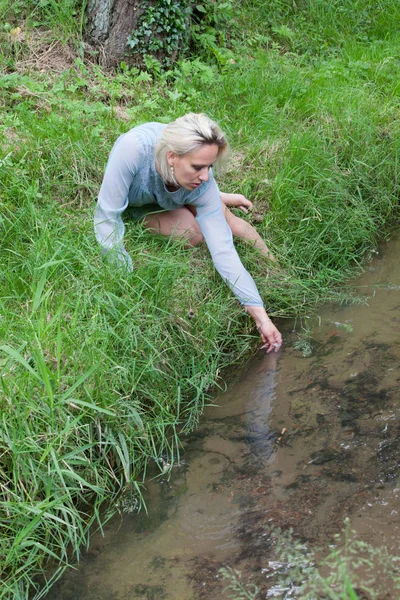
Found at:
(164, 174)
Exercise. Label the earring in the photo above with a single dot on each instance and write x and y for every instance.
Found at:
(172, 171)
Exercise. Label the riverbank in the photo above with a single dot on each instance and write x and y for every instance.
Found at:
(302, 442)
(100, 370)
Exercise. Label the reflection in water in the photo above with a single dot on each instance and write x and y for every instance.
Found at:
(195, 520)
(299, 441)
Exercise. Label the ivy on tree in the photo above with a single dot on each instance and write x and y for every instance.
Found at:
(162, 30)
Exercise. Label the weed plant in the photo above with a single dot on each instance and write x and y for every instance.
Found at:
(351, 569)
(102, 372)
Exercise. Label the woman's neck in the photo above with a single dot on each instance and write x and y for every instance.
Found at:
(172, 188)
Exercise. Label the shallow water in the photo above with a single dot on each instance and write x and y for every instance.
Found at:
(303, 439)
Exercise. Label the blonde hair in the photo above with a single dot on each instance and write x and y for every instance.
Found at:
(186, 135)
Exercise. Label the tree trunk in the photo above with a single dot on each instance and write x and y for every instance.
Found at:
(109, 23)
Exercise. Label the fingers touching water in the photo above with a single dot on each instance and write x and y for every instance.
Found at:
(270, 336)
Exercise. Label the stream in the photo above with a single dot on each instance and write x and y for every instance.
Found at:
(303, 439)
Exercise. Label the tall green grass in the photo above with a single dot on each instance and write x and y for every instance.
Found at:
(101, 372)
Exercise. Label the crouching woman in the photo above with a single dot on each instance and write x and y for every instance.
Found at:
(163, 174)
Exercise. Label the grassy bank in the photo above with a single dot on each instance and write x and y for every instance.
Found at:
(100, 370)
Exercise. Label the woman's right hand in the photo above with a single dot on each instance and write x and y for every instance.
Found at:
(119, 258)
(270, 336)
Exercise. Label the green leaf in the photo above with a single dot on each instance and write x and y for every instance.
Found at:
(90, 405)
(20, 359)
(77, 383)
(38, 296)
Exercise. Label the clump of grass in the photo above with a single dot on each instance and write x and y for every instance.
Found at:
(102, 372)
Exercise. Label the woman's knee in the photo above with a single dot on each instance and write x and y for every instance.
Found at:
(179, 223)
(194, 238)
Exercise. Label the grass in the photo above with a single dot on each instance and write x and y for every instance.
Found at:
(101, 372)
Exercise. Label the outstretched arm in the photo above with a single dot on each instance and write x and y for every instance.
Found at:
(218, 236)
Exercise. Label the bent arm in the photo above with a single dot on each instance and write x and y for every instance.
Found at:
(121, 169)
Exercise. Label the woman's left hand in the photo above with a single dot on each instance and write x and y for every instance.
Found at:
(270, 336)
(237, 201)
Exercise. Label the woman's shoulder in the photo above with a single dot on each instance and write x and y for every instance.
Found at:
(138, 143)
(147, 133)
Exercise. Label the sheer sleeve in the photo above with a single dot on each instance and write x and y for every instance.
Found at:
(122, 166)
(219, 239)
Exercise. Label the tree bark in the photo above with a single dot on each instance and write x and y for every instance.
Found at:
(109, 23)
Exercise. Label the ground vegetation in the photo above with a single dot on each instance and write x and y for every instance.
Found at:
(350, 569)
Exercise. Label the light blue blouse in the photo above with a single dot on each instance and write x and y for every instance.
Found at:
(131, 179)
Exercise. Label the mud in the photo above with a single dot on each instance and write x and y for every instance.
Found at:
(303, 439)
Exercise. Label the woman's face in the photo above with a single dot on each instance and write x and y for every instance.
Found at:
(190, 170)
